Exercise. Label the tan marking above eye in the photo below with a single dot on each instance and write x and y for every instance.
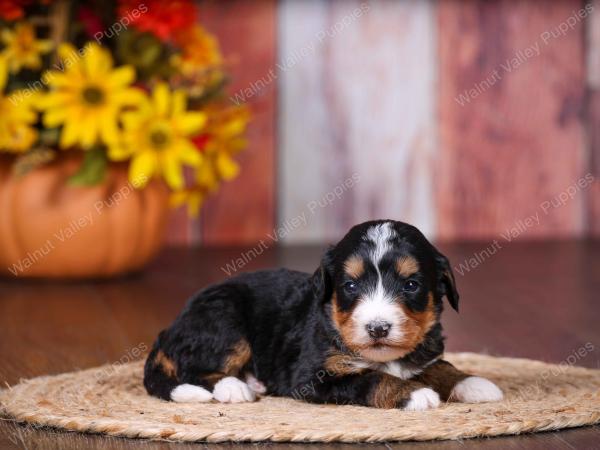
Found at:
(354, 266)
(407, 266)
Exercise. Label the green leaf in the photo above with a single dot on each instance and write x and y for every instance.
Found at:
(92, 169)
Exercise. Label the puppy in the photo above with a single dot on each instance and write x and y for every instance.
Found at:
(364, 329)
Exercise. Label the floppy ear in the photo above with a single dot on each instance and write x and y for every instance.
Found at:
(447, 280)
(322, 279)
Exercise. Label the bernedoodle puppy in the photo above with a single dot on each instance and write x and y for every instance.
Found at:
(364, 329)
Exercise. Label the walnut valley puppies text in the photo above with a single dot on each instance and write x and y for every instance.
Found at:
(523, 55)
(291, 224)
(522, 225)
(71, 229)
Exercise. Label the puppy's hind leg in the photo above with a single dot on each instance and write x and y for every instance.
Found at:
(233, 390)
(205, 353)
(160, 380)
(189, 393)
(227, 385)
(255, 384)
(193, 385)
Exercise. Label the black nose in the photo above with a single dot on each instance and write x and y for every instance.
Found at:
(378, 329)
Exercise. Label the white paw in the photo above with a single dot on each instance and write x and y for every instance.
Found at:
(187, 393)
(476, 390)
(233, 390)
(254, 384)
(423, 399)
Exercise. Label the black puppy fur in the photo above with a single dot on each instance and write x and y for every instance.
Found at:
(301, 335)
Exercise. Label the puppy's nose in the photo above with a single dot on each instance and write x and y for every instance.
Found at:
(378, 329)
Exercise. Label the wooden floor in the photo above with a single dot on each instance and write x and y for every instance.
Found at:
(534, 300)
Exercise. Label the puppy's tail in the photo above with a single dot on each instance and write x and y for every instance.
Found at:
(160, 380)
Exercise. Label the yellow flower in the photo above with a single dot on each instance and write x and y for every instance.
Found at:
(220, 140)
(22, 49)
(88, 97)
(224, 139)
(193, 198)
(199, 50)
(156, 138)
(18, 116)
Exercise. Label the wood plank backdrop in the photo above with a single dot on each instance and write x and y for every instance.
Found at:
(360, 104)
(593, 122)
(471, 119)
(243, 211)
(518, 140)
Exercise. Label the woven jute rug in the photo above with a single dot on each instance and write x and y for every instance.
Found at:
(112, 400)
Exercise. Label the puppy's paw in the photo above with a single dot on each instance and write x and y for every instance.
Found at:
(476, 390)
(255, 384)
(422, 399)
(233, 390)
(188, 393)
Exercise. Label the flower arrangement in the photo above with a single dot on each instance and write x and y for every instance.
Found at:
(133, 81)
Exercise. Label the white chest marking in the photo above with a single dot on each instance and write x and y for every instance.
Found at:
(399, 370)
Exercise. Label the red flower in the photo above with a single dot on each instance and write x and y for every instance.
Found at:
(200, 141)
(12, 9)
(159, 17)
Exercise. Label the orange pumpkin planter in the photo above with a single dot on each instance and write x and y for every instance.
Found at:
(153, 104)
(51, 229)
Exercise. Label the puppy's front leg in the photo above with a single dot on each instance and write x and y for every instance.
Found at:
(378, 390)
(453, 384)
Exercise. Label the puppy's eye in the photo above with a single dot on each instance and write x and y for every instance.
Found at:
(411, 286)
(350, 287)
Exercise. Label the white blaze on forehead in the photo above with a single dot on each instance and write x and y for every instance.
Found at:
(380, 235)
(377, 304)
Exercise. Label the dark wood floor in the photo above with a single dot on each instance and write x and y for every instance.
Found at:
(534, 300)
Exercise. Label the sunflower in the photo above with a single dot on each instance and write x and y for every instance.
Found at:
(18, 116)
(157, 138)
(193, 198)
(22, 49)
(88, 97)
(220, 140)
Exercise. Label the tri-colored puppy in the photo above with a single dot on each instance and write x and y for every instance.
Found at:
(364, 329)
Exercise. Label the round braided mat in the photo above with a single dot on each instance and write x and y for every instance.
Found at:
(112, 400)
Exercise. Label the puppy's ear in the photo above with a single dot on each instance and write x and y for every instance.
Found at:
(322, 280)
(447, 280)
